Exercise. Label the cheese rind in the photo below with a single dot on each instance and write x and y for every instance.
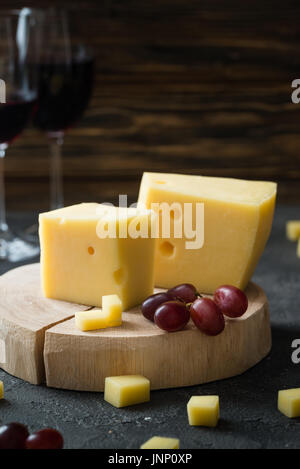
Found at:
(79, 266)
(289, 402)
(1, 390)
(122, 391)
(293, 230)
(160, 442)
(203, 411)
(238, 217)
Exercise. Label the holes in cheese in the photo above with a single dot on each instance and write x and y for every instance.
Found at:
(119, 276)
(91, 250)
(167, 249)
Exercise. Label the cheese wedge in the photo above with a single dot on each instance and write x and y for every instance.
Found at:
(79, 264)
(235, 223)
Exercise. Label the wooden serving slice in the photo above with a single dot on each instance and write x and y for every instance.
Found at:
(38, 340)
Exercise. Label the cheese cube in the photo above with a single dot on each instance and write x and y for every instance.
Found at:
(203, 410)
(112, 307)
(293, 230)
(79, 264)
(234, 224)
(298, 248)
(109, 316)
(160, 442)
(1, 390)
(91, 320)
(122, 391)
(289, 402)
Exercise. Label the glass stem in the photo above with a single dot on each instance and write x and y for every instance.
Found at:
(3, 224)
(56, 140)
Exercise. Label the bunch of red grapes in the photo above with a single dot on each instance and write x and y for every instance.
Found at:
(16, 436)
(171, 310)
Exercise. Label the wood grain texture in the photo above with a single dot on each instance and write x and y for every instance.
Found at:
(38, 339)
(81, 360)
(24, 316)
(196, 87)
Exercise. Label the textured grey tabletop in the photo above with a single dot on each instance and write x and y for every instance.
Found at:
(249, 415)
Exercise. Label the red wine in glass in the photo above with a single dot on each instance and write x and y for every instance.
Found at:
(19, 39)
(14, 116)
(63, 93)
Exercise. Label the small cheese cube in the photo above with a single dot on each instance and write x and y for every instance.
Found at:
(289, 402)
(293, 230)
(90, 250)
(1, 390)
(203, 410)
(160, 442)
(112, 307)
(91, 320)
(122, 391)
(298, 248)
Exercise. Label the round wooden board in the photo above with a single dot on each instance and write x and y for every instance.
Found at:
(38, 338)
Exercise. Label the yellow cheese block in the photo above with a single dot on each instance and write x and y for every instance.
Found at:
(112, 307)
(91, 320)
(80, 266)
(293, 230)
(122, 391)
(298, 248)
(109, 316)
(160, 442)
(289, 402)
(1, 390)
(203, 411)
(237, 219)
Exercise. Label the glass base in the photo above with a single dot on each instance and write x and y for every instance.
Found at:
(31, 234)
(15, 249)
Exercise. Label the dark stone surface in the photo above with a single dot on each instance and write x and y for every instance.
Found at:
(249, 415)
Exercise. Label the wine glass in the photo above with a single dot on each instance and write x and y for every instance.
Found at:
(18, 45)
(65, 72)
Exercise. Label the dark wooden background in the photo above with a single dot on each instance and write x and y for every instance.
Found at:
(185, 86)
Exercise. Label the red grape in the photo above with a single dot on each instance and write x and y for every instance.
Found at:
(172, 316)
(151, 304)
(47, 438)
(231, 300)
(13, 436)
(207, 316)
(185, 292)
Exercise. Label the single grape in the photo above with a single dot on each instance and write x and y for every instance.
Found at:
(185, 292)
(48, 438)
(207, 316)
(172, 316)
(151, 304)
(13, 436)
(231, 300)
